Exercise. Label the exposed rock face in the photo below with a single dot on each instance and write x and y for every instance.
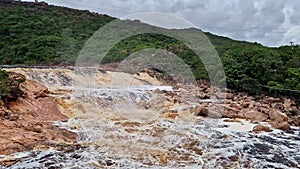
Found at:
(36, 102)
(26, 119)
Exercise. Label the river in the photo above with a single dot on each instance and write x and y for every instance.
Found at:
(128, 121)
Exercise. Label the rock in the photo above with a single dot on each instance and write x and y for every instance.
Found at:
(34, 89)
(237, 107)
(263, 110)
(253, 115)
(172, 115)
(214, 114)
(27, 122)
(234, 158)
(220, 95)
(232, 120)
(296, 120)
(36, 102)
(203, 96)
(229, 112)
(227, 101)
(160, 75)
(200, 111)
(278, 116)
(278, 106)
(288, 105)
(281, 125)
(272, 100)
(229, 96)
(197, 150)
(260, 128)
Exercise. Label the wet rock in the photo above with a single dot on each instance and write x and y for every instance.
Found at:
(261, 148)
(234, 158)
(8, 162)
(260, 128)
(76, 156)
(279, 158)
(233, 120)
(47, 156)
(49, 164)
(109, 162)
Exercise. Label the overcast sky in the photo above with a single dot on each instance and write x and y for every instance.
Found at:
(270, 22)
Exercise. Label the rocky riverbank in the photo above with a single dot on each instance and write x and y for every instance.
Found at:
(280, 113)
(26, 118)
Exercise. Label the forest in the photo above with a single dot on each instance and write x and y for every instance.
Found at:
(33, 33)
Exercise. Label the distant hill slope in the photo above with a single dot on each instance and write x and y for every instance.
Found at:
(41, 34)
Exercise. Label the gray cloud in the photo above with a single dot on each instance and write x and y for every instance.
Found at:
(295, 17)
(270, 22)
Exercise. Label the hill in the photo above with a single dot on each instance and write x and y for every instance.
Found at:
(41, 34)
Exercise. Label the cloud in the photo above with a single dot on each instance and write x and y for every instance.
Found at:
(268, 22)
(292, 35)
(295, 17)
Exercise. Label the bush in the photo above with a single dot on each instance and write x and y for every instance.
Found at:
(3, 83)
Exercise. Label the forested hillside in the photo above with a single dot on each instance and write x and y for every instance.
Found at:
(41, 34)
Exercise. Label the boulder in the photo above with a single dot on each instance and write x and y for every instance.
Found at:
(288, 105)
(280, 125)
(229, 112)
(200, 111)
(278, 116)
(214, 114)
(253, 115)
(260, 128)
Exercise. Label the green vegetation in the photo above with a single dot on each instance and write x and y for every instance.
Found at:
(3, 83)
(39, 34)
(254, 68)
(36, 34)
